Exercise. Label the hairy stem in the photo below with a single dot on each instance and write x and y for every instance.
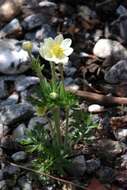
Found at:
(56, 115)
(61, 70)
(66, 129)
(52, 64)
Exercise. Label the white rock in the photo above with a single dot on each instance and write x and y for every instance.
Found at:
(106, 47)
(13, 59)
(121, 134)
(95, 108)
(73, 87)
(47, 4)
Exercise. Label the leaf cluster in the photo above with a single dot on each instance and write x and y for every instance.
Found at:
(48, 158)
(45, 102)
(82, 126)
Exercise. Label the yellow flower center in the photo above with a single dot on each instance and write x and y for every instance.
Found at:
(57, 51)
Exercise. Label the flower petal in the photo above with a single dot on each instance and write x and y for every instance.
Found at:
(41, 50)
(59, 38)
(48, 42)
(66, 43)
(68, 51)
(45, 52)
(64, 60)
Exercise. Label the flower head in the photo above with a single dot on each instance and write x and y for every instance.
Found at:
(56, 50)
(27, 45)
(53, 95)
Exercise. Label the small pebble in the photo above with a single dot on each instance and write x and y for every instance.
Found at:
(19, 156)
(19, 132)
(106, 47)
(95, 108)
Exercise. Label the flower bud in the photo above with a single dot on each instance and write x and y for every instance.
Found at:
(53, 95)
(27, 45)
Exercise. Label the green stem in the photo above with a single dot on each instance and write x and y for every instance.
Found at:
(51, 126)
(52, 64)
(61, 70)
(66, 129)
(56, 115)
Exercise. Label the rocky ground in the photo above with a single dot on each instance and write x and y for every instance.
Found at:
(99, 64)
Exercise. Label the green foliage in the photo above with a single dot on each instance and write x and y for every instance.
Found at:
(45, 100)
(49, 158)
(82, 126)
(52, 147)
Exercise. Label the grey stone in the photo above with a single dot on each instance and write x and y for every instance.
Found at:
(109, 149)
(106, 47)
(1, 174)
(79, 166)
(13, 59)
(16, 188)
(3, 185)
(120, 25)
(45, 32)
(68, 81)
(84, 11)
(70, 71)
(117, 73)
(15, 113)
(19, 132)
(3, 130)
(1, 152)
(23, 82)
(124, 161)
(35, 49)
(97, 35)
(11, 182)
(19, 156)
(33, 21)
(24, 183)
(10, 170)
(3, 89)
(8, 78)
(12, 99)
(12, 28)
(37, 121)
(7, 143)
(92, 165)
(106, 174)
(30, 35)
(106, 8)
(24, 96)
(121, 10)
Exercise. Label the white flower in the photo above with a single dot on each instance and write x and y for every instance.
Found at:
(56, 50)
